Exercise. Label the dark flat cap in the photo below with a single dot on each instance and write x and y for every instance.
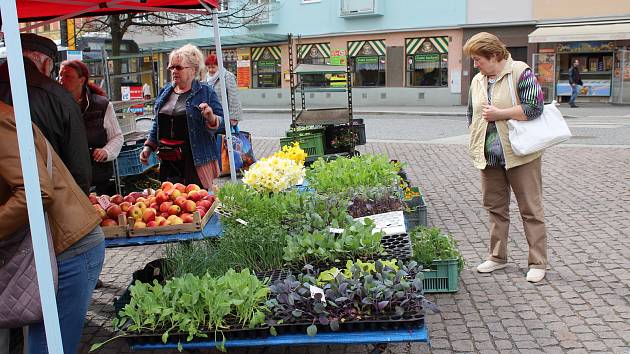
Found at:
(40, 44)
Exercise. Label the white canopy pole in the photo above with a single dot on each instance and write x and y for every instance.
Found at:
(30, 172)
(224, 96)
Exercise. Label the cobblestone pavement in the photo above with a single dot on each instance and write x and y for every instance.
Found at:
(582, 307)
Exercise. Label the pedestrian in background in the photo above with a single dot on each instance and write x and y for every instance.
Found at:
(77, 237)
(575, 80)
(53, 110)
(489, 107)
(105, 138)
(214, 79)
(187, 116)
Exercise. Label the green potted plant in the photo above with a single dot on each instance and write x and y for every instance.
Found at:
(438, 253)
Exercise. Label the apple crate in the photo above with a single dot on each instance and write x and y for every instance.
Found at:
(116, 231)
(443, 277)
(196, 226)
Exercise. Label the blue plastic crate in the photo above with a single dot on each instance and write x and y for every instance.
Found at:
(129, 164)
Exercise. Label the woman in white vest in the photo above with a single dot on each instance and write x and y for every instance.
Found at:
(490, 105)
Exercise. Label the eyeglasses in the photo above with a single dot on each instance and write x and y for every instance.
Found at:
(178, 67)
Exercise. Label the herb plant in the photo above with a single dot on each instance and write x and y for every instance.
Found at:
(431, 244)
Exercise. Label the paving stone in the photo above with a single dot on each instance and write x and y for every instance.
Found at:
(462, 345)
(503, 344)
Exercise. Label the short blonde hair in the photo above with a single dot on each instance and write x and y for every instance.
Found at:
(486, 45)
(192, 56)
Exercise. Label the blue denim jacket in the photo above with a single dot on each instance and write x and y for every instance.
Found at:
(202, 140)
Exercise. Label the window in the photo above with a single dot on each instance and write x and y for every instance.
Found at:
(315, 54)
(266, 69)
(428, 65)
(357, 6)
(223, 5)
(310, 1)
(368, 64)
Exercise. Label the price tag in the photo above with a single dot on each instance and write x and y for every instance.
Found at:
(317, 290)
(103, 202)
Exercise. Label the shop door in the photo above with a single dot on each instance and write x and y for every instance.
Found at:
(621, 77)
(544, 65)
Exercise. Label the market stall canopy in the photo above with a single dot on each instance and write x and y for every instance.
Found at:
(320, 69)
(226, 41)
(39, 10)
(581, 32)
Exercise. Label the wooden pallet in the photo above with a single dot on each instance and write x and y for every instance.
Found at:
(116, 231)
(196, 226)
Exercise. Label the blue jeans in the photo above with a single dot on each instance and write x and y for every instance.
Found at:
(574, 94)
(77, 279)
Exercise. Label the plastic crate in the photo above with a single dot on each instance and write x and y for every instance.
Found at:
(417, 215)
(358, 127)
(128, 161)
(127, 122)
(311, 143)
(293, 133)
(442, 278)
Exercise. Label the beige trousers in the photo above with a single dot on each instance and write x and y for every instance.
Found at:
(526, 182)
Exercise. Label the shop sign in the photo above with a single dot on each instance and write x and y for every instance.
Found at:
(428, 57)
(590, 88)
(585, 47)
(130, 93)
(367, 60)
(243, 72)
(338, 57)
(267, 63)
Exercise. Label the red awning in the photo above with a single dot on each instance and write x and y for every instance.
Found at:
(37, 10)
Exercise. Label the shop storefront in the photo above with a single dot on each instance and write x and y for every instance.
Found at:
(426, 62)
(317, 53)
(599, 48)
(266, 67)
(367, 62)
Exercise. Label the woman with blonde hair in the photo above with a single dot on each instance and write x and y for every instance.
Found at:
(187, 115)
(492, 100)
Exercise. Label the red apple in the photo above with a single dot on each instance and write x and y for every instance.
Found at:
(124, 206)
(187, 218)
(141, 200)
(92, 198)
(129, 199)
(135, 212)
(192, 187)
(166, 186)
(195, 196)
(206, 204)
(148, 215)
(160, 197)
(202, 192)
(174, 193)
(176, 221)
(113, 211)
(153, 223)
(164, 206)
(202, 212)
(189, 206)
(159, 219)
(116, 199)
(139, 225)
(109, 222)
(180, 187)
(101, 212)
(165, 222)
(174, 210)
(154, 205)
(179, 201)
(165, 215)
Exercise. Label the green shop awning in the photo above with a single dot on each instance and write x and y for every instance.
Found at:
(256, 39)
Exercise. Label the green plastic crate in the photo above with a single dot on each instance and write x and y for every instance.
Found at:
(311, 143)
(442, 278)
(417, 216)
(298, 132)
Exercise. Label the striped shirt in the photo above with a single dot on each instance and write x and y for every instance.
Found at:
(530, 93)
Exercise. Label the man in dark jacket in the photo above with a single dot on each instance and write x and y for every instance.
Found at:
(574, 80)
(53, 110)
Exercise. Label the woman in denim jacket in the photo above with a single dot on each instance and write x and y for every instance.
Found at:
(188, 114)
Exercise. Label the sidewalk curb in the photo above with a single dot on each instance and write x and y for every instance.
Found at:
(363, 112)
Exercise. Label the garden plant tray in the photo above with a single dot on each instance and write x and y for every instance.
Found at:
(416, 211)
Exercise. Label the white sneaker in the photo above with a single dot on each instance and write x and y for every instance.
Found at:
(490, 266)
(535, 275)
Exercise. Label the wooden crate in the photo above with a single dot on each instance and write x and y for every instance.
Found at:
(116, 231)
(197, 225)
